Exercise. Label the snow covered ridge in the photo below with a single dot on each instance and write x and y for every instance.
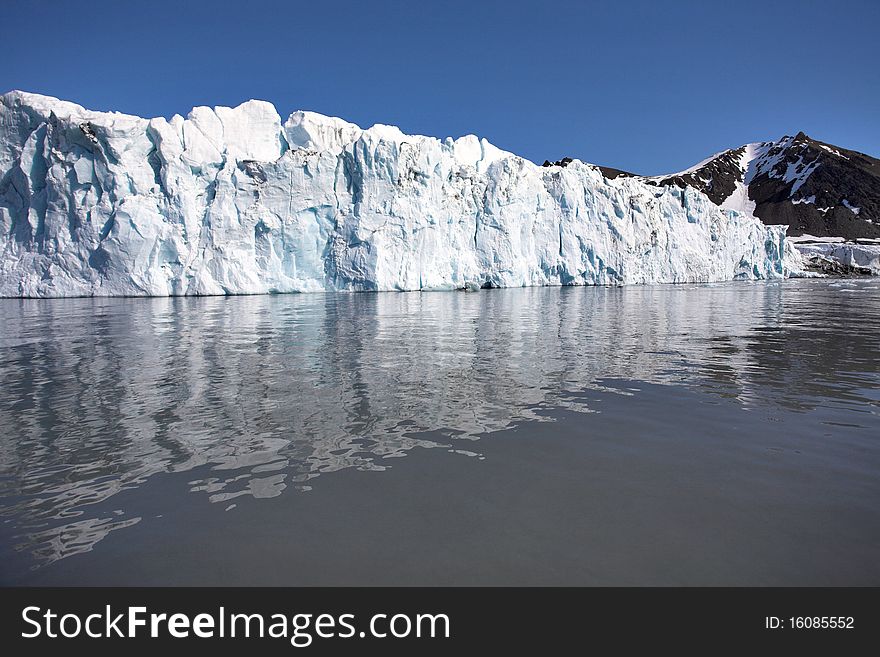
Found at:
(233, 201)
(812, 187)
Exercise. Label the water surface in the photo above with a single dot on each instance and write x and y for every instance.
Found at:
(714, 434)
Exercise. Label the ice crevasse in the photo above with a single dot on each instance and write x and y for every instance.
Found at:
(233, 201)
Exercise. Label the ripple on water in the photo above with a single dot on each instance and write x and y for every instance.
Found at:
(272, 392)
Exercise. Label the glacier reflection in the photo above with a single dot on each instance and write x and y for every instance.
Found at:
(271, 392)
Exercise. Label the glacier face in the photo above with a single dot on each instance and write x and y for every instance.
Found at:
(233, 201)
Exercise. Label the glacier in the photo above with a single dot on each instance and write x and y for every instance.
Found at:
(235, 201)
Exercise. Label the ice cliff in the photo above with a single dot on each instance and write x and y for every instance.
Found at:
(232, 200)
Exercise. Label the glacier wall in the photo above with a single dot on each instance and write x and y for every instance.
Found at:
(233, 201)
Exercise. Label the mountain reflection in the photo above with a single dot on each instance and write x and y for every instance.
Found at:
(271, 392)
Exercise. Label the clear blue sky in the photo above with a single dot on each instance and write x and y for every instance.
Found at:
(646, 86)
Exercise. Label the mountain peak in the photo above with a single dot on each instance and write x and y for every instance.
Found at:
(812, 187)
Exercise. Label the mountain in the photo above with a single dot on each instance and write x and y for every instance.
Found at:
(235, 201)
(812, 187)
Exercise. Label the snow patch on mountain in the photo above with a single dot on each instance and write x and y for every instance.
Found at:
(850, 207)
(739, 199)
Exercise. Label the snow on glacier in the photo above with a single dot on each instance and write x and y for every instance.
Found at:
(233, 201)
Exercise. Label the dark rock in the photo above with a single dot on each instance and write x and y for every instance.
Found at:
(564, 162)
(717, 178)
(834, 267)
(611, 173)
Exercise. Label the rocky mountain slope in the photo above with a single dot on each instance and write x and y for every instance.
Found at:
(812, 187)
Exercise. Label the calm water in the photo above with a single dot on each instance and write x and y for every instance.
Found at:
(724, 434)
